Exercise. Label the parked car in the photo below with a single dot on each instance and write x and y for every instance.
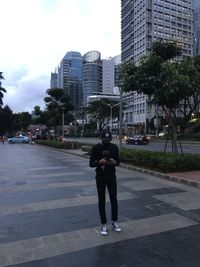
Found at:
(137, 139)
(124, 137)
(161, 134)
(18, 139)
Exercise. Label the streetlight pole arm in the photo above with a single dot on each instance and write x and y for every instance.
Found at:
(111, 113)
(63, 121)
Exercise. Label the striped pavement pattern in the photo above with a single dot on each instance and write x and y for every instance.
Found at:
(79, 178)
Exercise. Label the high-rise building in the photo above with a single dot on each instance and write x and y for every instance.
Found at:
(54, 80)
(63, 73)
(196, 18)
(91, 75)
(82, 77)
(142, 23)
(117, 62)
(108, 76)
(69, 77)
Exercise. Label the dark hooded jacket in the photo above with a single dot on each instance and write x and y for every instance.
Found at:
(98, 152)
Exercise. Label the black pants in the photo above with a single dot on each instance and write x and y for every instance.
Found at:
(110, 182)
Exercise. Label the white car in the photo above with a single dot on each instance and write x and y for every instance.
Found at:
(18, 139)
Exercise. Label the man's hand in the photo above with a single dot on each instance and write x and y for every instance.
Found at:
(103, 161)
(111, 161)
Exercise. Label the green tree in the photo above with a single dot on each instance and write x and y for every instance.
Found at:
(38, 117)
(172, 84)
(57, 99)
(24, 121)
(6, 120)
(189, 84)
(2, 90)
(37, 110)
(100, 111)
(20, 121)
(15, 122)
(57, 102)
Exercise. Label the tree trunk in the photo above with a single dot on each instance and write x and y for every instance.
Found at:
(173, 131)
(174, 141)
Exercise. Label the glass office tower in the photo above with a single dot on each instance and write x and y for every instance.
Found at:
(196, 18)
(91, 75)
(70, 76)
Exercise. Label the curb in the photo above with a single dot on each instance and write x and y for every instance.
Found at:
(162, 175)
(153, 173)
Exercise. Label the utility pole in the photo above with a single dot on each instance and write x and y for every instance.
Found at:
(111, 113)
(111, 118)
(120, 119)
(63, 121)
(75, 125)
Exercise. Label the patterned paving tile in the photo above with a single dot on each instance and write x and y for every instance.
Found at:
(58, 244)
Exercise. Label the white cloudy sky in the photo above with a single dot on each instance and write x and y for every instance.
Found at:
(36, 34)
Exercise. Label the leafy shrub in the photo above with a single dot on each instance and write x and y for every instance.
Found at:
(165, 162)
(58, 144)
(159, 161)
(52, 143)
(191, 136)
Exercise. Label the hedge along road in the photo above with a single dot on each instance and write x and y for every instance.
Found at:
(193, 148)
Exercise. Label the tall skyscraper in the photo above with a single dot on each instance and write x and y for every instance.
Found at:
(81, 77)
(196, 18)
(69, 77)
(91, 75)
(142, 23)
(117, 62)
(54, 80)
(108, 76)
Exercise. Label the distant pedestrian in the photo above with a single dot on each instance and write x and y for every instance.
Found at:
(105, 156)
(2, 139)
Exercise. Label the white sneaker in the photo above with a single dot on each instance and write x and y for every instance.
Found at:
(116, 227)
(104, 229)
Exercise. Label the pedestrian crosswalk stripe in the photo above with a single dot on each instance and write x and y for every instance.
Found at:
(51, 185)
(57, 244)
(57, 204)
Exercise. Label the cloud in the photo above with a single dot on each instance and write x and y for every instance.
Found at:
(36, 34)
(27, 94)
(15, 75)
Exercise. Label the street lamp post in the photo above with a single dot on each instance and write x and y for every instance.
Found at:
(111, 114)
(120, 117)
(156, 110)
(61, 108)
(111, 118)
(120, 120)
(63, 121)
(75, 125)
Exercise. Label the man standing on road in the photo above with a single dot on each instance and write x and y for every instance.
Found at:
(105, 156)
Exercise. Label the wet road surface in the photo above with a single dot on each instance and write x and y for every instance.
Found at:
(49, 215)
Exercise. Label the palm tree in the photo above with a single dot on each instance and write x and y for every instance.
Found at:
(2, 90)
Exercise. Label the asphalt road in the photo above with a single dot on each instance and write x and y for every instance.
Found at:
(152, 146)
(49, 215)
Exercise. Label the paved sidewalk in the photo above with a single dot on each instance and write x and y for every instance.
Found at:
(191, 178)
(49, 214)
